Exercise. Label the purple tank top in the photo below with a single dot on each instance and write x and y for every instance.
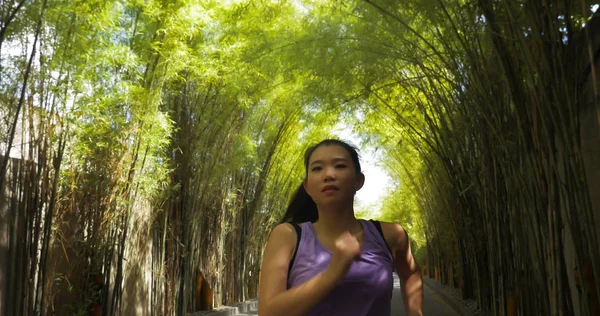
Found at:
(367, 287)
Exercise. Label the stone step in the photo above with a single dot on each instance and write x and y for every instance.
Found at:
(233, 310)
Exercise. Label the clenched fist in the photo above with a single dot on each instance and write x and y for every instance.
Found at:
(347, 249)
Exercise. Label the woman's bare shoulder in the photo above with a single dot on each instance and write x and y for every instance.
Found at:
(394, 234)
(282, 235)
(283, 230)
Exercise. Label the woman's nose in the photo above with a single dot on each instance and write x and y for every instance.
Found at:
(329, 173)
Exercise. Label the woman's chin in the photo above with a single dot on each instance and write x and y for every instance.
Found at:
(332, 202)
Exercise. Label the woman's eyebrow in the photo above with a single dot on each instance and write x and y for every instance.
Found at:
(334, 160)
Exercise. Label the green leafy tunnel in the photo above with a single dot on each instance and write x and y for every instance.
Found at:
(146, 141)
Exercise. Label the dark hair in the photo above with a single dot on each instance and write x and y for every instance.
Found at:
(302, 208)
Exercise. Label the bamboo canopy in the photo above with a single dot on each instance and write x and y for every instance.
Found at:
(149, 147)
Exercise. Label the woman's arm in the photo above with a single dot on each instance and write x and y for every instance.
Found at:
(274, 297)
(411, 280)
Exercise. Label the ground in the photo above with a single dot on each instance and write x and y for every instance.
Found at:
(438, 301)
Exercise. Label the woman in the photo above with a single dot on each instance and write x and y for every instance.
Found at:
(322, 260)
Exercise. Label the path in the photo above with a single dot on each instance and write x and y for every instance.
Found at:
(437, 303)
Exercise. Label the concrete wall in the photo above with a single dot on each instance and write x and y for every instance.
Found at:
(589, 119)
(137, 271)
(5, 224)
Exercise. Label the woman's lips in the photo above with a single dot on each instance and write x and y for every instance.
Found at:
(330, 188)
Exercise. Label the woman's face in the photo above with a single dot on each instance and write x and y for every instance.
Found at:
(331, 176)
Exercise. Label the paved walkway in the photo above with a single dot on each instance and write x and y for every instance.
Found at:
(439, 301)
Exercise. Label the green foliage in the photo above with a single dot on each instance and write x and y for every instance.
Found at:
(202, 109)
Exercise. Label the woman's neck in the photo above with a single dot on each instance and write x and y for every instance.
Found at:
(333, 221)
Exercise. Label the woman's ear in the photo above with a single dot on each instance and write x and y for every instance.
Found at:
(305, 185)
(360, 181)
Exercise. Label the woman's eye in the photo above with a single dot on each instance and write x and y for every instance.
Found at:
(316, 168)
(340, 166)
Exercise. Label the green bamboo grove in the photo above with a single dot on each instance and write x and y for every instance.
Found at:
(144, 143)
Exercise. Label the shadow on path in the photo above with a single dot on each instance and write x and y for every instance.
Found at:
(438, 302)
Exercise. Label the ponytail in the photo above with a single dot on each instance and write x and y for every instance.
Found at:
(302, 208)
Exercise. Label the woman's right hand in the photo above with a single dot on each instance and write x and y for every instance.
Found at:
(347, 249)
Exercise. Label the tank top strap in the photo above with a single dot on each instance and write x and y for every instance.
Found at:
(375, 235)
(298, 230)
